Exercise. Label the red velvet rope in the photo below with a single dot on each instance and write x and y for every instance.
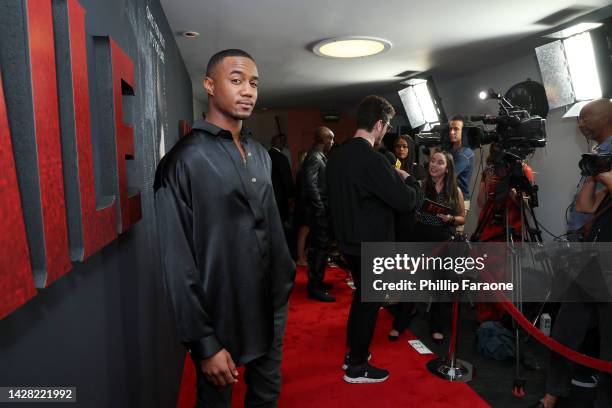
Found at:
(552, 344)
(570, 354)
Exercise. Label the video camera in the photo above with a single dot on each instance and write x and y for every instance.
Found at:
(516, 130)
(592, 164)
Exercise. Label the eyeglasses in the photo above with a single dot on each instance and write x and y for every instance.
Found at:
(388, 124)
(401, 146)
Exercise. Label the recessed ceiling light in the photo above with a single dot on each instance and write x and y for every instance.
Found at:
(351, 47)
(190, 34)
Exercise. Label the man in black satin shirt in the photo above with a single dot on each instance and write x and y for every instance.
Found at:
(227, 270)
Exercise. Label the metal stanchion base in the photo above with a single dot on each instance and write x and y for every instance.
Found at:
(461, 371)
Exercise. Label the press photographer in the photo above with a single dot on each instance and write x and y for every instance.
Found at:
(592, 214)
(593, 122)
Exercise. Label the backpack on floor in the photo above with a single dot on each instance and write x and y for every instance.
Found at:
(494, 341)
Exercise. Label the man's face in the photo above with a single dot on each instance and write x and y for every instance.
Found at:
(328, 141)
(385, 126)
(590, 122)
(455, 128)
(232, 87)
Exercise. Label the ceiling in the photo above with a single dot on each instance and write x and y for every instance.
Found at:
(446, 37)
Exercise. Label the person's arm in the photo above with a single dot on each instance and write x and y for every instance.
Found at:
(462, 163)
(182, 280)
(282, 267)
(287, 177)
(393, 186)
(589, 198)
(459, 217)
(311, 185)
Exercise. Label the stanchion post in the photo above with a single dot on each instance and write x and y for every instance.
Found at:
(451, 368)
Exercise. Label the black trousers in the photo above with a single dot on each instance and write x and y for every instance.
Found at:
(403, 317)
(317, 254)
(439, 316)
(262, 376)
(573, 322)
(362, 318)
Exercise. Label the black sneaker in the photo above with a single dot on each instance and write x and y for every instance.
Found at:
(326, 286)
(347, 358)
(584, 381)
(320, 295)
(365, 373)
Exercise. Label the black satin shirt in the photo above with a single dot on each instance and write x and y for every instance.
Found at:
(226, 263)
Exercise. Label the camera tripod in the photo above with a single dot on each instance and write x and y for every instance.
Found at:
(509, 216)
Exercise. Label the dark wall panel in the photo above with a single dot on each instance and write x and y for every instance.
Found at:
(104, 327)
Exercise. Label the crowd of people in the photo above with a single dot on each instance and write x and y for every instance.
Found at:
(220, 194)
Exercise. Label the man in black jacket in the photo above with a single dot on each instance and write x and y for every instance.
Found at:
(282, 179)
(315, 203)
(227, 270)
(364, 191)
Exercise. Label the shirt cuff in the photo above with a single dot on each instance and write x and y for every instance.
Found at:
(411, 180)
(204, 348)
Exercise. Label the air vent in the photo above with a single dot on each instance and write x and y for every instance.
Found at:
(407, 74)
(331, 117)
(564, 15)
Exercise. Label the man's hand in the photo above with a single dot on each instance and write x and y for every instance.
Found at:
(403, 174)
(605, 178)
(220, 369)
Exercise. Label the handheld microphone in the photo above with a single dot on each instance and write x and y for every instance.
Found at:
(392, 159)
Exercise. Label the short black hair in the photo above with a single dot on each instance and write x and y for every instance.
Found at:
(372, 109)
(218, 57)
(458, 117)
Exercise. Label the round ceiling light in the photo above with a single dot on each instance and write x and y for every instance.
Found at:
(351, 47)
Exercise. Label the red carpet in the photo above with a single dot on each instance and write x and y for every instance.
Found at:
(314, 347)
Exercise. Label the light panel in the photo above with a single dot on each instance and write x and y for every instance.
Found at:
(582, 67)
(351, 47)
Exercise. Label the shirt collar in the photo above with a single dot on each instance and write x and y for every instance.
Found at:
(605, 146)
(217, 131)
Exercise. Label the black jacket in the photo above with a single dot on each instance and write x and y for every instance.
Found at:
(282, 181)
(364, 192)
(225, 260)
(314, 184)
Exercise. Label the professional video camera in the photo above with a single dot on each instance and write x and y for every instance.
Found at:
(516, 130)
(592, 164)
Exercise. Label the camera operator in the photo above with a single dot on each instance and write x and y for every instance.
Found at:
(576, 318)
(594, 123)
(463, 157)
